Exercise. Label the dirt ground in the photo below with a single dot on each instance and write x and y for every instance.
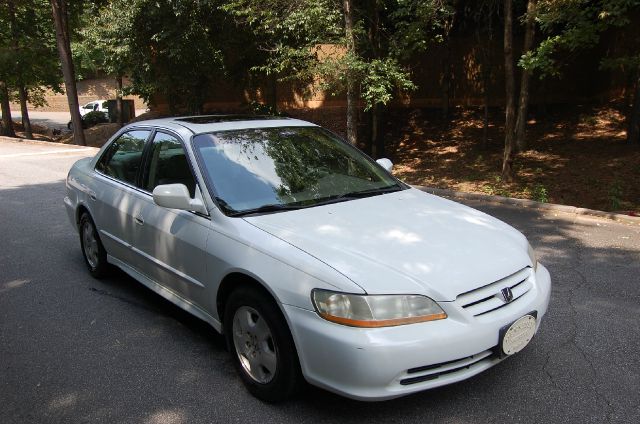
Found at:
(576, 156)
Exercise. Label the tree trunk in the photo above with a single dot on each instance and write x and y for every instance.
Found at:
(446, 79)
(352, 95)
(273, 92)
(26, 122)
(486, 80)
(485, 120)
(521, 121)
(119, 108)
(60, 20)
(17, 70)
(377, 130)
(633, 131)
(510, 109)
(376, 141)
(7, 123)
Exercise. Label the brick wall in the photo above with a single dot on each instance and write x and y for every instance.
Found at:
(88, 90)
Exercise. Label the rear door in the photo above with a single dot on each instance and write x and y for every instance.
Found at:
(115, 192)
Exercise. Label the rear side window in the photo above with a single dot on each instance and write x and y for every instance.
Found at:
(168, 164)
(123, 157)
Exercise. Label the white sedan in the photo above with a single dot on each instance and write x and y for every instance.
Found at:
(313, 261)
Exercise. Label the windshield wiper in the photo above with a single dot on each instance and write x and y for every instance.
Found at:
(370, 192)
(333, 199)
(266, 208)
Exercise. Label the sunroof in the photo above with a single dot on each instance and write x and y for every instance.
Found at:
(214, 119)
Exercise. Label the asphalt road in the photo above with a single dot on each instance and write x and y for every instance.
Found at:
(73, 349)
(57, 120)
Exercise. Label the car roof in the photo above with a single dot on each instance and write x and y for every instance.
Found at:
(210, 123)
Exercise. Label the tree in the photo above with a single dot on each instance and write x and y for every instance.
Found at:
(352, 95)
(510, 101)
(7, 123)
(570, 26)
(288, 37)
(348, 47)
(106, 41)
(15, 34)
(30, 53)
(523, 101)
(180, 51)
(63, 40)
(5, 73)
(480, 18)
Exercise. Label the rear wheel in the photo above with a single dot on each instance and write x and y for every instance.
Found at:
(261, 345)
(94, 254)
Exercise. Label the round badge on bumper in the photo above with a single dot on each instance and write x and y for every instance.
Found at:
(519, 334)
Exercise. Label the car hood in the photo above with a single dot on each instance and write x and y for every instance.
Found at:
(404, 242)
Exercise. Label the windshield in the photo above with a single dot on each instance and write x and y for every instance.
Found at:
(271, 169)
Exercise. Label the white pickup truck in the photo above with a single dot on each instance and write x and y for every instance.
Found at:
(93, 106)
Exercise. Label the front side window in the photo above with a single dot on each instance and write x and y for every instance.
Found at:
(123, 157)
(168, 164)
(252, 170)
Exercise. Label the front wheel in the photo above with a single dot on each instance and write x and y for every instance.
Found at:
(94, 254)
(261, 345)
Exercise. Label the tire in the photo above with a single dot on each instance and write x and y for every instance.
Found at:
(255, 327)
(95, 257)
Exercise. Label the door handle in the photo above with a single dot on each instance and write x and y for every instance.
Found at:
(139, 220)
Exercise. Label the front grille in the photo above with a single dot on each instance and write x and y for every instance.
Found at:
(488, 298)
(432, 372)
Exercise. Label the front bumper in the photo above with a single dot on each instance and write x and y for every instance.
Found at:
(384, 363)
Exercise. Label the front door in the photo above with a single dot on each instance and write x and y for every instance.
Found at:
(172, 242)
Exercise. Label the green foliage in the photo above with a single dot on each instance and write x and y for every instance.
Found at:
(572, 25)
(629, 63)
(28, 55)
(496, 188)
(93, 118)
(615, 195)
(304, 41)
(175, 49)
(416, 24)
(379, 79)
(258, 108)
(539, 193)
(106, 38)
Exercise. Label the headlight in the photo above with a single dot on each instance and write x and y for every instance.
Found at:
(532, 256)
(376, 310)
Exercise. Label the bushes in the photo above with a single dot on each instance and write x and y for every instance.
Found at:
(94, 118)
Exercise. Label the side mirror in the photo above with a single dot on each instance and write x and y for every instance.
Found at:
(176, 196)
(385, 163)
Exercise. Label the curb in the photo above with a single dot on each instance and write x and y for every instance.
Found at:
(43, 143)
(526, 203)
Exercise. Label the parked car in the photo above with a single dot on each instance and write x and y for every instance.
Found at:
(93, 106)
(311, 258)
